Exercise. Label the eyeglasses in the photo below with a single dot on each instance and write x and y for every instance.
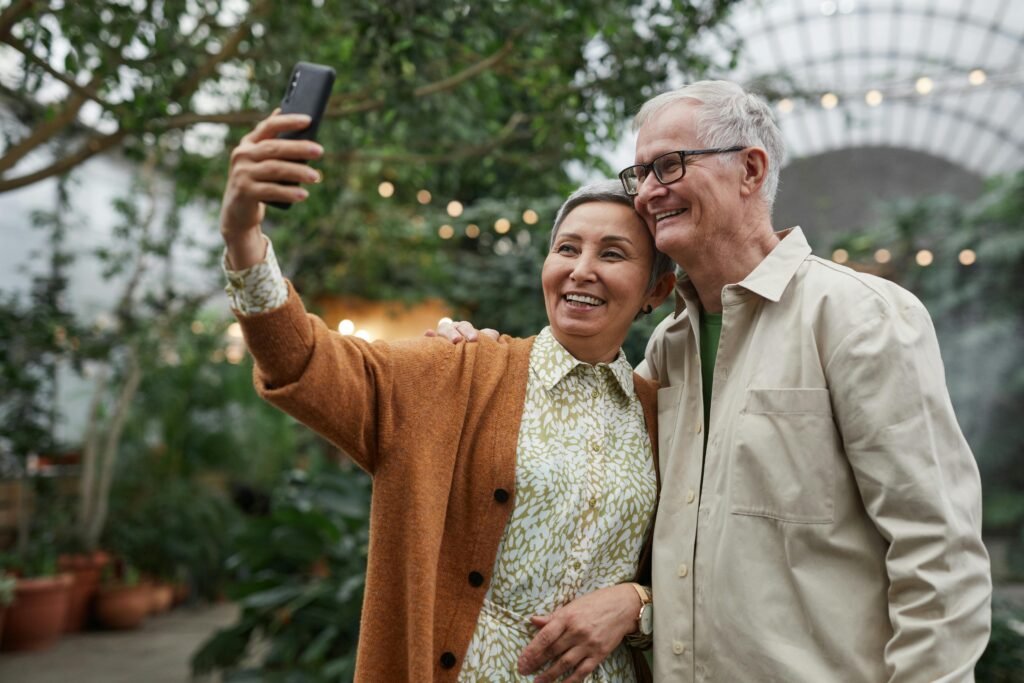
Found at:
(667, 168)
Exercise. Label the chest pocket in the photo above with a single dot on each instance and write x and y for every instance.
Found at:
(787, 450)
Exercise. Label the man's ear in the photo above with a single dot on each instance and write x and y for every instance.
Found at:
(662, 288)
(755, 170)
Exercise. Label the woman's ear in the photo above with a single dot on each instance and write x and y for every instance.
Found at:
(755, 170)
(662, 288)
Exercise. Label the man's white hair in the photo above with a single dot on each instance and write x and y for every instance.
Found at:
(727, 115)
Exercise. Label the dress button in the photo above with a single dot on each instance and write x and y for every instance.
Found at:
(677, 647)
(683, 571)
(501, 495)
(447, 660)
(690, 496)
(698, 427)
(476, 579)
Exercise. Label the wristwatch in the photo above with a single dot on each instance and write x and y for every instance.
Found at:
(645, 618)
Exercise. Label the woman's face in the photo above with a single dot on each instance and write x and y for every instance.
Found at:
(595, 279)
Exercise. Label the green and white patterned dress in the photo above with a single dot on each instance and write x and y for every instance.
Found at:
(585, 494)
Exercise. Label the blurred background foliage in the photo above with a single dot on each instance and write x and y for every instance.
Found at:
(480, 103)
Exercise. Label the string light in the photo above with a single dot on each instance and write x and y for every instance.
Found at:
(530, 217)
(840, 256)
(829, 100)
(446, 232)
(976, 77)
(785, 105)
(472, 231)
(968, 257)
(454, 208)
(924, 85)
(883, 256)
(423, 196)
(873, 98)
(346, 327)
(502, 225)
(386, 189)
(924, 258)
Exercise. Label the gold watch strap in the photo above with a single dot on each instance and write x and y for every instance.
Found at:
(645, 595)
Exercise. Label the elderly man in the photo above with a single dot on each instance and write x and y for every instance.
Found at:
(820, 510)
(820, 516)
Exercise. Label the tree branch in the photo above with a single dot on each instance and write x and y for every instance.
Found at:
(469, 72)
(507, 132)
(11, 15)
(93, 146)
(445, 84)
(44, 132)
(87, 92)
(229, 48)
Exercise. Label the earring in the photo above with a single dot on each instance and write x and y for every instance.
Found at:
(647, 310)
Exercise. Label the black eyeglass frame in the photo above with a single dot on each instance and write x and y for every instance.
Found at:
(683, 153)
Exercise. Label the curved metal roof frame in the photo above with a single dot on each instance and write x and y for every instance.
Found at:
(852, 47)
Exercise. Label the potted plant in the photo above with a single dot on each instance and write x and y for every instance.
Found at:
(7, 585)
(86, 569)
(35, 618)
(123, 601)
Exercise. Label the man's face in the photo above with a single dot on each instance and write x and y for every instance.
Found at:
(686, 214)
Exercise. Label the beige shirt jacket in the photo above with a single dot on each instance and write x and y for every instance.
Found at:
(436, 424)
(833, 530)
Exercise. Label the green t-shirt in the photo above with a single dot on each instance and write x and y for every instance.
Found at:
(710, 331)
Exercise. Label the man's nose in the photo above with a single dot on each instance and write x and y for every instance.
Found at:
(648, 188)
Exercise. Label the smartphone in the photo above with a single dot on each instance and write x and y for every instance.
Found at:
(309, 88)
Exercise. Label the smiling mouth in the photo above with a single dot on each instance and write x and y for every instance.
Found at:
(658, 217)
(582, 301)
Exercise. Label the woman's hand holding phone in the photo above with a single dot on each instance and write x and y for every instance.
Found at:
(259, 165)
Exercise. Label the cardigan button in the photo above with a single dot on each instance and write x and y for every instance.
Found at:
(501, 495)
(447, 660)
(476, 579)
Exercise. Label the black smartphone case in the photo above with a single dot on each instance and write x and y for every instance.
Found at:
(309, 88)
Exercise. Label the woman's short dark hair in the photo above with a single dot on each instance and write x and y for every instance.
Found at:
(609, 191)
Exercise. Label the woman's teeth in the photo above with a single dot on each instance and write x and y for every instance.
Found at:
(583, 299)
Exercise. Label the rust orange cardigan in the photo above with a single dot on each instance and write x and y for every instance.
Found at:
(436, 425)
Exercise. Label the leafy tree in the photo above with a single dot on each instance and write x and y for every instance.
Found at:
(468, 101)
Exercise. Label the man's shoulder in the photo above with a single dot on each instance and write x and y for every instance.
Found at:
(836, 284)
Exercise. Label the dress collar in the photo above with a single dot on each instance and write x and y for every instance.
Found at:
(551, 363)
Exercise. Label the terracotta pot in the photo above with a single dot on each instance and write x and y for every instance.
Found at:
(162, 595)
(123, 607)
(87, 570)
(181, 592)
(36, 618)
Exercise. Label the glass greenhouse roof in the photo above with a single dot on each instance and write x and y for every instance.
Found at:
(944, 77)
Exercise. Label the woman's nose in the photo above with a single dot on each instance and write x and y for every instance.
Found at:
(583, 269)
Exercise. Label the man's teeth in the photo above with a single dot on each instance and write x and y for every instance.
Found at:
(583, 299)
(668, 214)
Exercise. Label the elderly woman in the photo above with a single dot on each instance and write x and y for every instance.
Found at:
(524, 499)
